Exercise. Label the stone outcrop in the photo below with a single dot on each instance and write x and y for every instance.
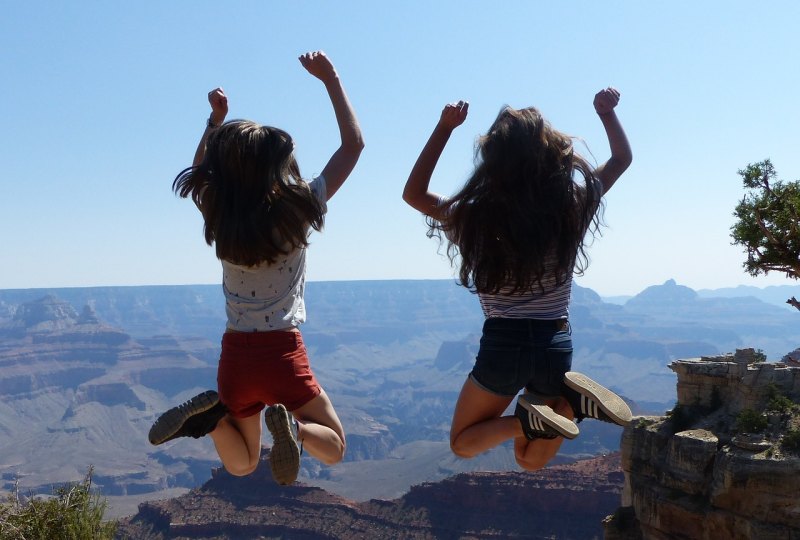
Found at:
(698, 474)
(565, 502)
(792, 358)
(47, 314)
(736, 380)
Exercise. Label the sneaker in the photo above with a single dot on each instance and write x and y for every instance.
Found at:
(591, 400)
(539, 421)
(284, 458)
(194, 418)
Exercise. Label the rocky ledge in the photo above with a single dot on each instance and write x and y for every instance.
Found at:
(723, 463)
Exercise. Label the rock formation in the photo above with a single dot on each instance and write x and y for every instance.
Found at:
(565, 502)
(722, 464)
(81, 385)
(792, 358)
(76, 391)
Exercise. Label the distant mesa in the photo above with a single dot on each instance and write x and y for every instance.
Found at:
(455, 354)
(50, 319)
(670, 293)
(108, 394)
(584, 296)
(46, 314)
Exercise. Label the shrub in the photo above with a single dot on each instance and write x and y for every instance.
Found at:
(645, 422)
(682, 417)
(759, 356)
(749, 421)
(73, 513)
(776, 401)
(791, 441)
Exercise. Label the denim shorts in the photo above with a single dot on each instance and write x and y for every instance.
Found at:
(523, 353)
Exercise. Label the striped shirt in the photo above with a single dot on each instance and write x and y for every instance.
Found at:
(551, 304)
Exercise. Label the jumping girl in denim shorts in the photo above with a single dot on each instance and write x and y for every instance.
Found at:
(518, 227)
(259, 211)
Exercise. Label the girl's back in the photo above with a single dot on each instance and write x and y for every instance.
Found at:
(519, 222)
(258, 211)
(518, 225)
(269, 295)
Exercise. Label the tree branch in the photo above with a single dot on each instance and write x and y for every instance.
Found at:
(760, 222)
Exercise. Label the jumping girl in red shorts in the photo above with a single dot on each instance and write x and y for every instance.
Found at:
(518, 227)
(258, 211)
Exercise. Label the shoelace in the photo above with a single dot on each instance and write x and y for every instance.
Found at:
(296, 434)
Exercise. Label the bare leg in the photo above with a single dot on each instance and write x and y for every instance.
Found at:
(477, 425)
(238, 443)
(534, 455)
(320, 430)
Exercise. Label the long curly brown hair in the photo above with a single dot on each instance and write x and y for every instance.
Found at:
(255, 205)
(522, 215)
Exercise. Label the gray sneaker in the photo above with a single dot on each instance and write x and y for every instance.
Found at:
(284, 458)
(539, 421)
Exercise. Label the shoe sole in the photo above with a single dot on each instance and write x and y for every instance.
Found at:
(610, 403)
(284, 457)
(563, 425)
(171, 421)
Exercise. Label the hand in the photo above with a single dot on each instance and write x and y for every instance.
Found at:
(454, 114)
(219, 105)
(319, 65)
(605, 100)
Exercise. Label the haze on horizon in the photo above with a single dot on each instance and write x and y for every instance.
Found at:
(104, 104)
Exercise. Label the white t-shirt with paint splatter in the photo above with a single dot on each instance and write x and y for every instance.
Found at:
(269, 297)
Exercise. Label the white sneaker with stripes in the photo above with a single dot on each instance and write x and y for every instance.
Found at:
(539, 421)
(589, 399)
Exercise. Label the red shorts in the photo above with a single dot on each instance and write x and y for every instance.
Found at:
(264, 368)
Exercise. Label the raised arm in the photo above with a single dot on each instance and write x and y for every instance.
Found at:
(604, 103)
(416, 192)
(219, 109)
(345, 157)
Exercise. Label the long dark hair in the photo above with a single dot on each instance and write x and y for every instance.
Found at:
(256, 206)
(522, 216)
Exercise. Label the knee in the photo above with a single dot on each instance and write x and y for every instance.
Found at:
(243, 470)
(531, 464)
(459, 450)
(332, 458)
(533, 461)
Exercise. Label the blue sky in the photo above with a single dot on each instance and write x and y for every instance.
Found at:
(103, 103)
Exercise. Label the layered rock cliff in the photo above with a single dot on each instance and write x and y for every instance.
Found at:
(565, 502)
(77, 392)
(723, 463)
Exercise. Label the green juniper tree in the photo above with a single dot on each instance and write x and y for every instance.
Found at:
(768, 223)
(74, 512)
